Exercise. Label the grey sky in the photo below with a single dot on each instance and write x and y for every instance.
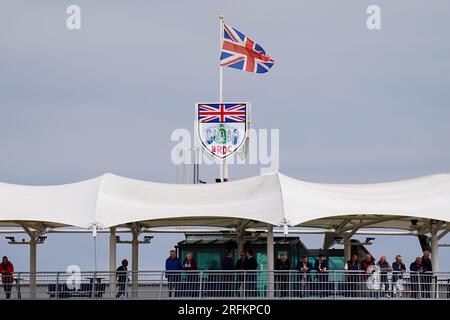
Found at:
(352, 105)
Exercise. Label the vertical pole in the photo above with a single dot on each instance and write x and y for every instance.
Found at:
(112, 261)
(347, 249)
(434, 247)
(270, 262)
(223, 165)
(33, 251)
(434, 258)
(220, 52)
(134, 262)
(240, 240)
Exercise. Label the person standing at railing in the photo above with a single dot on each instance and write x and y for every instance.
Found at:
(227, 275)
(427, 274)
(282, 267)
(240, 276)
(250, 267)
(173, 269)
(368, 265)
(384, 267)
(303, 284)
(417, 270)
(353, 268)
(7, 269)
(191, 281)
(398, 268)
(321, 267)
(122, 278)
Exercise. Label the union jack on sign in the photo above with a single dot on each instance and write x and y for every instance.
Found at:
(222, 126)
(240, 52)
(221, 112)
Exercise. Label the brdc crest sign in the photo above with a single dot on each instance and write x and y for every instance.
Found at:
(222, 127)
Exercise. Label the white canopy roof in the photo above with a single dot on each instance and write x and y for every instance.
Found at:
(110, 200)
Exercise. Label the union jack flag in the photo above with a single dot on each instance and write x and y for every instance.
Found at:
(222, 112)
(240, 52)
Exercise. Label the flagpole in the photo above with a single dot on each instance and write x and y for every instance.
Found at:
(223, 165)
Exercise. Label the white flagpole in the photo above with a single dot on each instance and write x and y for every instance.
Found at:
(223, 165)
(220, 51)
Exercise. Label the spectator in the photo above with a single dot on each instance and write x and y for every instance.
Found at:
(190, 265)
(227, 276)
(227, 262)
(240, 276)
(240, 263)
(384, 267)
(173, 267)
(427, 277)
(7, 269)
(303, 285)
(368, 266)
(250, 267)
(353, 268)
(416, 269)
(321, 267)
(282, 267)
(398, 268)
(122, 278)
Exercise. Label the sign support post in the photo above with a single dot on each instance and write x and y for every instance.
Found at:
(223, 165)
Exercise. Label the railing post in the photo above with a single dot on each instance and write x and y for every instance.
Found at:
(290, 289)
(57, 285)
(244, 286)
(19, 295)
(335, 284)
(161, 285)
(200, 283)
(435, 286)
(419, 281)
(94, 279)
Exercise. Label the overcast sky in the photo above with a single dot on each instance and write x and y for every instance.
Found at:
(352, 105)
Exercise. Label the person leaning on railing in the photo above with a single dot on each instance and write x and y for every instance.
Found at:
(398, 268)
(417, 270)
(250, 267)
(7, 269)
(303, 283)
(191, 282)
(368, 265)
(240, 275)
(427, 274)
(227, 266)
(173, 268)
(282, 277)
(353, 268)
(321, 267)
(385, 267)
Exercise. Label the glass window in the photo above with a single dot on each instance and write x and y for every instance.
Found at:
(208, 260)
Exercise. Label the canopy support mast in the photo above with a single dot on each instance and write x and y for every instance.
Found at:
(270, 263)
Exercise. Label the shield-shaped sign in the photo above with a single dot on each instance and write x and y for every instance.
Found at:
(222, 127)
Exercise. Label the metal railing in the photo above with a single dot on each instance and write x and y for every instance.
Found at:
(227, 285)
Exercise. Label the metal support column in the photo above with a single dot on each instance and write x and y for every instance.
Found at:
(112, 261)
(33, 262)
(270, 262)
(435, 247)
(134, 262)
(347, 249)
(240, 241)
